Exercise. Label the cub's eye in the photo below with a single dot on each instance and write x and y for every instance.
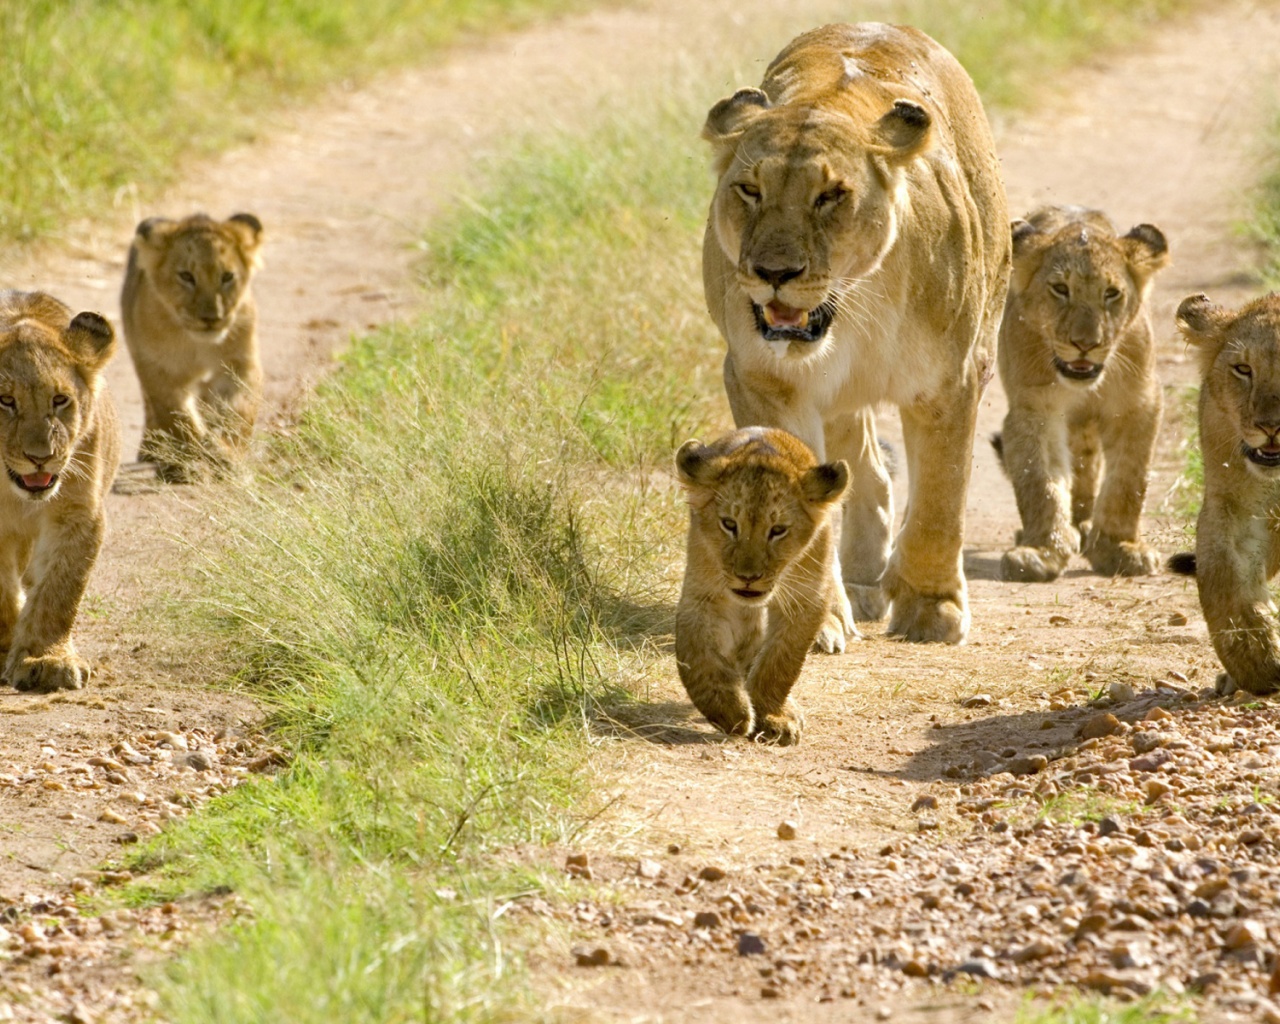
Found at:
(228, 277)
(729, 526)
(60, 400)
(1111, 294)
(777, 531)
(8, 401)
(748, 192)
(829, 198)
(1059, 289)
(1242, 370)
(186, 277)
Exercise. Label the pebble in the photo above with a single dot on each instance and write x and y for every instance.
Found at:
(979, 969)
(199, 760)
(1244, 933)
(1121, 692)
(708, 919)
(978, 700)
(750, 944)
(648, 868)
(712, 873)
(597, 957)
(1158, 714)
(1177, 619)
(1104, 724)
(927, 802)
(1031, 765)
(787, 830)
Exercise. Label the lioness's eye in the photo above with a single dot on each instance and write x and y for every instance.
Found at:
(1242, 370)
(828, 198)
(748, 192)
(729, 527)
(60, 400)
(186, 277)
(7, 401)
(1111, 294)
(777, 531)
(228, 277)
(1060, 289)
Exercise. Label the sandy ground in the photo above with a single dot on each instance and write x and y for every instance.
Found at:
(1165, 134)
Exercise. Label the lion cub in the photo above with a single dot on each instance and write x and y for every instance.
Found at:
(1077, 361)
(191, 327)
(1238, 532)
(60, 445)
(759, 583)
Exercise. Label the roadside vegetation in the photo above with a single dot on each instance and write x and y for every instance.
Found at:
(103, 101)
(465, 554)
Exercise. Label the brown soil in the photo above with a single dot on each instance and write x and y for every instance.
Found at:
(1157, 136)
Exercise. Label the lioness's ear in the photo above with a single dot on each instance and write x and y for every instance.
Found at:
(92, 340)
(1200, 320)
(727, 121)
(825, 484)
(903, 132)
(693, 464)
(1145, 250)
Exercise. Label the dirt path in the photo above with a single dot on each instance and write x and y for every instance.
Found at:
(343, 190)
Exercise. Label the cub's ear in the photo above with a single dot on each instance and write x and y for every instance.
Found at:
(693, 464)
(903, 133)
(825, 484)
(728, 119)
(248, 230)
(152, 230)
(1023, 233)
(1145, 250)
(1200, 320)
(92, 339)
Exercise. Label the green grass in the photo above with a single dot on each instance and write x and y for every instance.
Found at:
(1153, 1009)
(454, 561)
(102, 100)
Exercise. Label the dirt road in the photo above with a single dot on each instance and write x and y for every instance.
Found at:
(1160, 136)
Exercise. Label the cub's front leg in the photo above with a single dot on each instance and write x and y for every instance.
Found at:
(41, 656)
(1038, 461)
(1114, 544)
(716, 641)
(1232, 557)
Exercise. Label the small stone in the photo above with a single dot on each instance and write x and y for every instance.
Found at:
(1243, 934)
(928, 802)
(673, 848)
(979, 969)
(1250, 837)
(1198, 908)
(1108, 825)
(787, 830)
(1104, 724)
(883, 1013)
(926, 825)
(577, 860)
(1155, 789)
(1092, 923)
(750, 944)
(1158, 714)
(1145, 742)
(113, 817)
(708, 919)
(1059, 620)
(1177, 619)
(770, 992)
(171, 739)
(1028, 765)
(597, 957)
(198, 760)
(648, 868)
(978, 700)
(1036, 950)
(126, 838)
(712, 873)
(915, 969)
(1150, 762)
(1121, 692)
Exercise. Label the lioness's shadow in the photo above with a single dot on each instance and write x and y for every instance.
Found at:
(667, 723)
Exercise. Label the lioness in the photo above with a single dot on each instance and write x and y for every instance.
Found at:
(1238, 532)
(1077, 361)
(60, 443)
(759, 582)
(857, 251)
(191, 327)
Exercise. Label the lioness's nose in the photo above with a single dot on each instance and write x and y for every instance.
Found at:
(1269, 426)
(776, 276)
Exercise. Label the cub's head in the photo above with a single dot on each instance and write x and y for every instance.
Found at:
(1240, 372)
(200, 267)
(50, 374)
(1079, 286)
(807, 204)
(756, 497)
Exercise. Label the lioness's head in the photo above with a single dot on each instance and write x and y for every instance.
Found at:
(200, 267)
(1079, 285)
(50, 372)
(808, 203)
(756, 497)
(1240, 371)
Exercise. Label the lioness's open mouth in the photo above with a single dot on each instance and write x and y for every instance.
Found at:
(748, 595)
(1078, 369)
(35, 483)
(1268, 455)
(779, 322)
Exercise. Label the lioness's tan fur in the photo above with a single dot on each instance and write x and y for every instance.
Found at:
(759, 583)
(1077, 361)
(860, 183)
(1238, 531)
(58, 428)
(190, 323)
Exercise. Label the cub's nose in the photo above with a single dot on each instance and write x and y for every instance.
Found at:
(776, 276)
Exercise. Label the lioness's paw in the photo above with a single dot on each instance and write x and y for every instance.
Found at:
(1121, 558)
(923, 619)
(1032, 565)
(49, 672)
(869, 603)
(782, 729)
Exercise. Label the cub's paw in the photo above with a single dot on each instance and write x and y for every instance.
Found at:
(728, 710)
(781, 729)
(48, 673)
(1121, 558)
(869, 603)
(178, 473)
(923, 618)
(833, 635)
(1032, 565)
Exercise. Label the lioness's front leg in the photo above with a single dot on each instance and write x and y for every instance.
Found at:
(925, 577)
(1231, 568)
(1114, 544)
(42, 656)
(866, 532)
(1038, 461)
